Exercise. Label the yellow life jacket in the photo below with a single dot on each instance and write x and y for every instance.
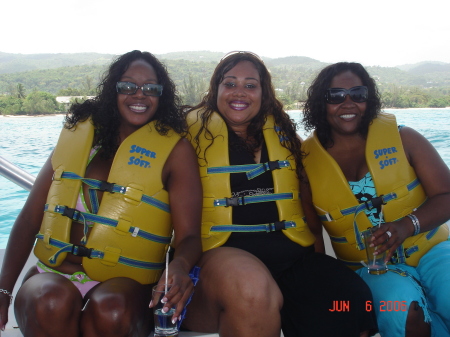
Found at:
(396, 184)
(132, 228)
(215, 172)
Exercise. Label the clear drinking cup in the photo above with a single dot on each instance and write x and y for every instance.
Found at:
(164, 327)
(375, 263)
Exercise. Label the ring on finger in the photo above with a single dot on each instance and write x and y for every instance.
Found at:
(389, 234)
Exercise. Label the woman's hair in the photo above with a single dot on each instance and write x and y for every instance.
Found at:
(315, 109)
(270, 105)
(104, 111)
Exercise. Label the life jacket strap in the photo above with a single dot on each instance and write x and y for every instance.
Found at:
(97, 254)
(134, 231)
(368, 205)
(270, 227)
(252, 199)
(402, 253)
(251, 170)
(375, 202)
(101, 185)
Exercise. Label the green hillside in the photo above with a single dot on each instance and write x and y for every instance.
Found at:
(79, 74)
(12, 63)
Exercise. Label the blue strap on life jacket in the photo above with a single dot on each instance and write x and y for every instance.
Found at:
(114, 188)
(251, 170)
(383, 199)
(134, 231)
(401, 253)
(86, 217)
(270, 227)
(356, 210)
(252, 199)
(96, 254)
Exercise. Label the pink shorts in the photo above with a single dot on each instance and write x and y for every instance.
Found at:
(79, 279)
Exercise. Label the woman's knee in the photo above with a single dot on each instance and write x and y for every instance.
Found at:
(239, 277)
(47, 295)
(108, 312)
(114, 307)
(257, 288)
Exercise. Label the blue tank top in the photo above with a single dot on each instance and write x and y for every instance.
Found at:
(364, 190)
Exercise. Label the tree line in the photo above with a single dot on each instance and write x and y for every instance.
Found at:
(34, 92)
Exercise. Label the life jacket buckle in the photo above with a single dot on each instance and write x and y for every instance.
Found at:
(71, 213)
(375, 202)
(81, 251)
(105, 186)
(273, 165)
(395, 259)
(234, 201)
(278, 226)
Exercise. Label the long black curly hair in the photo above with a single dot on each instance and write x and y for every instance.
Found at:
(315, 109)
(270, 105)
(104, 111)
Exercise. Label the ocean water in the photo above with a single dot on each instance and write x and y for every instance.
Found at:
(28, 141)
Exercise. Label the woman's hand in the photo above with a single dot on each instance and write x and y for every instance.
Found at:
(182, 288)
(399, 231)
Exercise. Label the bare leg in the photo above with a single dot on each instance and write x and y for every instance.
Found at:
(236, 296)
(118, 307)
(415, 323)
(48, 305)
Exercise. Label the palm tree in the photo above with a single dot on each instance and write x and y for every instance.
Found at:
(20, 91)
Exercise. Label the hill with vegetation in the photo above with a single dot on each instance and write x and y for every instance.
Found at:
(12, 63)
(420, 85)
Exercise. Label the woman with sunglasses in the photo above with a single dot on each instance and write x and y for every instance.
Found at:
(259, 257)
(364, 171)
(106, 189)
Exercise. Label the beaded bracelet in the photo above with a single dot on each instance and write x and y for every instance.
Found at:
(415, 222)
(6, 292)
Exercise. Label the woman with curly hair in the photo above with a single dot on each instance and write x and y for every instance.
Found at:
(259, 270)
(366, 172)
(120, 180)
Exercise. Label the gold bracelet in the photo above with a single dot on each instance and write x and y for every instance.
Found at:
(6, 292)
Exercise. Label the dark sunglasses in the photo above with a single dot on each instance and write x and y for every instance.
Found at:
(337, 95)
(130, 88)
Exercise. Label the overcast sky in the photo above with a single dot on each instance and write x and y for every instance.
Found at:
(382, 32)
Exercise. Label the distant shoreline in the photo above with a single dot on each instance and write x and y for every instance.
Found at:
(447, 107)
(63, 114)
(27, 116)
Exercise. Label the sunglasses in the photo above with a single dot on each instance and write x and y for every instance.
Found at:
(130, 88)
(357, 94)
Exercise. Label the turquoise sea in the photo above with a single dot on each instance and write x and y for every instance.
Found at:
(28, 141)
